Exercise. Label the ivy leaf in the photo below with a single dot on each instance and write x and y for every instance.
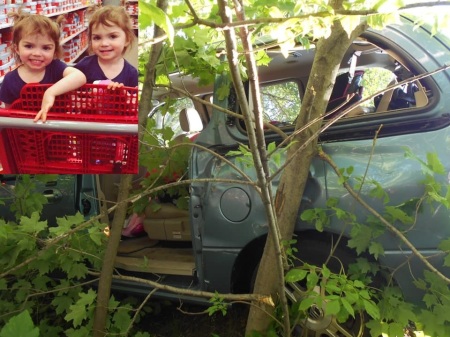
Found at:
(20, 325)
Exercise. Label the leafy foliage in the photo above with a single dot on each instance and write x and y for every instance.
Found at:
(46, 270)
(392, 313)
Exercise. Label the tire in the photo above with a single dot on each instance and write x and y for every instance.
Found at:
(317, 323)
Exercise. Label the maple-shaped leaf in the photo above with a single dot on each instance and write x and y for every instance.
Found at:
(62, 303)
(82, 331)
(82, 309)
(32, 224)
(376, 249)
(20, 325)
(361, 238)
(77, 270)
(122, 318)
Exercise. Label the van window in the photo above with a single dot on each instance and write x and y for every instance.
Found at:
(281, 102)
(167, 117)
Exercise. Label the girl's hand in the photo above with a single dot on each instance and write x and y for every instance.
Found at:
(47, 102)
(109, 84)
(114, 85)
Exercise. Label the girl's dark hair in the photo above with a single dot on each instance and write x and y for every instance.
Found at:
(27, 24)
(111, 16)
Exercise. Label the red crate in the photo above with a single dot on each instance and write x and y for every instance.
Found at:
(90, 103)
(58, 152)
(67, 152)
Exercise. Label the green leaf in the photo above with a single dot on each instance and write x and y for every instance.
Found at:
(149, 12)
(312, 279)
(142, 334)
(325, 271)
(371, 309)
(348, 307)
(20, 325)
(395, 329)
(65, 224)
(32, 224)
(82, 309)
(306, 303)
(350, 22)
(5, 230)
(77, 270)
(376, 249)
(96, 235)
(62, 303)
(398, 215)
(83, 331)
(333, 307)
(122, 319)
(361, 238)
(376, 327)
(295, 275)
(435, 164)
(3, 284)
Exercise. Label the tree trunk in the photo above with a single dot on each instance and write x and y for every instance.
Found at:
(329, 53)
(104, 285)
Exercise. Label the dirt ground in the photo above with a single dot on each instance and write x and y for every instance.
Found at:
(168, 321)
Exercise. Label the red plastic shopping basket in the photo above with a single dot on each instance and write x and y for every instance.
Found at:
(30, 150)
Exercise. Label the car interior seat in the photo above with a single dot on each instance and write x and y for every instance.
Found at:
(382, 104)
(191, 124)
(347, 89)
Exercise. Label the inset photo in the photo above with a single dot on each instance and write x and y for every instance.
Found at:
(68, 88)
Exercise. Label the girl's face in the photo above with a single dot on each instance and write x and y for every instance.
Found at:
(36, 51)
(108, 43)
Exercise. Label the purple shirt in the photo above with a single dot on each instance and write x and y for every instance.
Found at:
(90, 67)
(12, 83)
